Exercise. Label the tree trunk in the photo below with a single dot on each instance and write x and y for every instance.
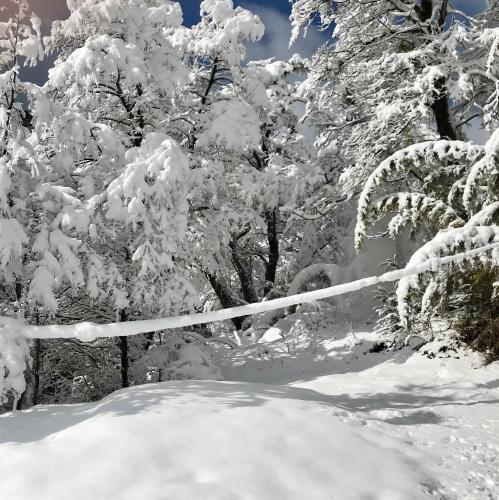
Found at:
(244, 270)
(444, 9)
(125, 361)
(225, 296)
(19, 296)
(36, 371)
(441, 111)
(425, 10)
(440, 106)
(37, 363)
(273, 240)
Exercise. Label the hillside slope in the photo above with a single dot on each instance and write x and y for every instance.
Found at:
(386, 427)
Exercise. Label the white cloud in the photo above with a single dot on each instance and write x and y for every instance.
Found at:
(277, 34)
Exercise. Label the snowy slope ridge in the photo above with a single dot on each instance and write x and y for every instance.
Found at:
(215, 440)
(446, 408)
(333, 423)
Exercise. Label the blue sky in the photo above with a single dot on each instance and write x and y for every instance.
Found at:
(191, 7)
(274, 14)
(56, 9)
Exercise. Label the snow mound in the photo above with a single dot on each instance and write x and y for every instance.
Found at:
(213, 440)
(445, 408)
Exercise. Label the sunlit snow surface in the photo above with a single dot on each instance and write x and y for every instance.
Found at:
(331, 423)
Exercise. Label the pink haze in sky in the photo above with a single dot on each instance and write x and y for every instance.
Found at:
(49, 10)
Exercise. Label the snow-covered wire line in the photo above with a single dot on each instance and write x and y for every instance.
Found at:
(90, 331)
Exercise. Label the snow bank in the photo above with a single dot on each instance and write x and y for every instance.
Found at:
(445, 408)
(212, 440)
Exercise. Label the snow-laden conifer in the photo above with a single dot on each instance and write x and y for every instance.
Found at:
(457, 222)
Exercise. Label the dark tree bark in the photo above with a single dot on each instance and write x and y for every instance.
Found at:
(273, 241)
(440, 106)
(244, 271)
(211, 81)
(441, 111)
(36, 371)
(425, 10)
(225, 296)
(37, 364)
(125, 361)
(443, 13)
(19, 296)
(19, 291)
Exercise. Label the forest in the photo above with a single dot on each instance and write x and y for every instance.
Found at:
(231, 242)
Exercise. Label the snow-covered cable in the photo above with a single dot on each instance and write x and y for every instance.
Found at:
(90, 331)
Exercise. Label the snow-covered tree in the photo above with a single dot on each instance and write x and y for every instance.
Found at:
(453, 198)
(391, 96)
(240, 128)
(396, 73)
(19, 166)
(33, 260)
(101, 119)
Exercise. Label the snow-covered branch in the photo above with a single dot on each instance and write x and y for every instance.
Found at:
(88, 332)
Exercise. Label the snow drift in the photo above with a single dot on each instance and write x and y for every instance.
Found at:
(213, 440)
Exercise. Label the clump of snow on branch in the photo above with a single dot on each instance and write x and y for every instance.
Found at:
(223, 28)
(231, 124)
(150, 196)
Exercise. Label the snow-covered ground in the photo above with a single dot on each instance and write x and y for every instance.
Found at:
(300, 419)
